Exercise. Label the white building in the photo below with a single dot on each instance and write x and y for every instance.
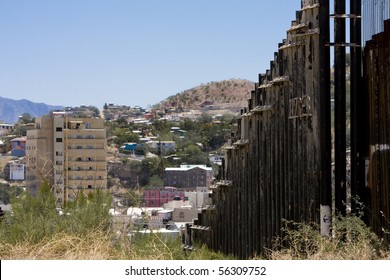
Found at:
(17, 172)
(199, 198)
(165, 146)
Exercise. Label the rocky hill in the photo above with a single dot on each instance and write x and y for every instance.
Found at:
(10, 109)
(222, 94)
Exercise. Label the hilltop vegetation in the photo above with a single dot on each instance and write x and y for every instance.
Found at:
(224, 94)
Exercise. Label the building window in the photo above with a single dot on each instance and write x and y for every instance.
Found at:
(58, 140)
(58, 129)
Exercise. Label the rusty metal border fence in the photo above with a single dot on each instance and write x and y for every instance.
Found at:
(278, 165)
(377, 90)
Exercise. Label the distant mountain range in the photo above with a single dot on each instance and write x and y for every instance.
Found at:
(10, 109)
(223, 94)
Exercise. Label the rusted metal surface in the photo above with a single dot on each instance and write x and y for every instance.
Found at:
(358, 143)
(377, 87)
(278, 165)
(340, 107)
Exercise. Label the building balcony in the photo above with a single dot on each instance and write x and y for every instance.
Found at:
(76, 140)
(85, 171)
(84, 180)
(86, 153)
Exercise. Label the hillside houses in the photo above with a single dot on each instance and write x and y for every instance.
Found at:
(188, 176)
(6, 128)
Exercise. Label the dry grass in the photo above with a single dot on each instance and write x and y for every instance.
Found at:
(35, 231)
(94, 246)
(328, 250)
(99, 246)
(352, 240)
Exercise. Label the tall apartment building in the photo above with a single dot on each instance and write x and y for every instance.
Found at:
(69, 153)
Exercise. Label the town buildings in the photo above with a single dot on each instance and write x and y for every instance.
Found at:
(6, 128)
(188, 176)
(195, 198)
(18, 147)
(158, 197)
(69, 153)
(163, 146)
(15, 170)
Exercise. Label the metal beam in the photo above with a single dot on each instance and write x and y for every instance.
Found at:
(326, 144)
(340, 108)
(358, 133)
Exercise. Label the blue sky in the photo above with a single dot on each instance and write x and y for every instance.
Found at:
(133, 52)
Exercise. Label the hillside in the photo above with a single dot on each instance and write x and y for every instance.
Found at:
(223, 94)
(10, 109)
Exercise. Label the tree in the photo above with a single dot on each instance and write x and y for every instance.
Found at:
(162, 127)
(193, 155)
(6, 146)
(187, 124)
(151, 167)
(26, 118)
(7, 192)
(124, 136)
(95, 111)
(21, 129)
(205, 118)
(122, 122)
(141, 150)
(155, 182)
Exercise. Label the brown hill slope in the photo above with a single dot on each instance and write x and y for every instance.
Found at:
(224, 94)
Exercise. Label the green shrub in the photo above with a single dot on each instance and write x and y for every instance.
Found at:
(351, 239)
(34, 218)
